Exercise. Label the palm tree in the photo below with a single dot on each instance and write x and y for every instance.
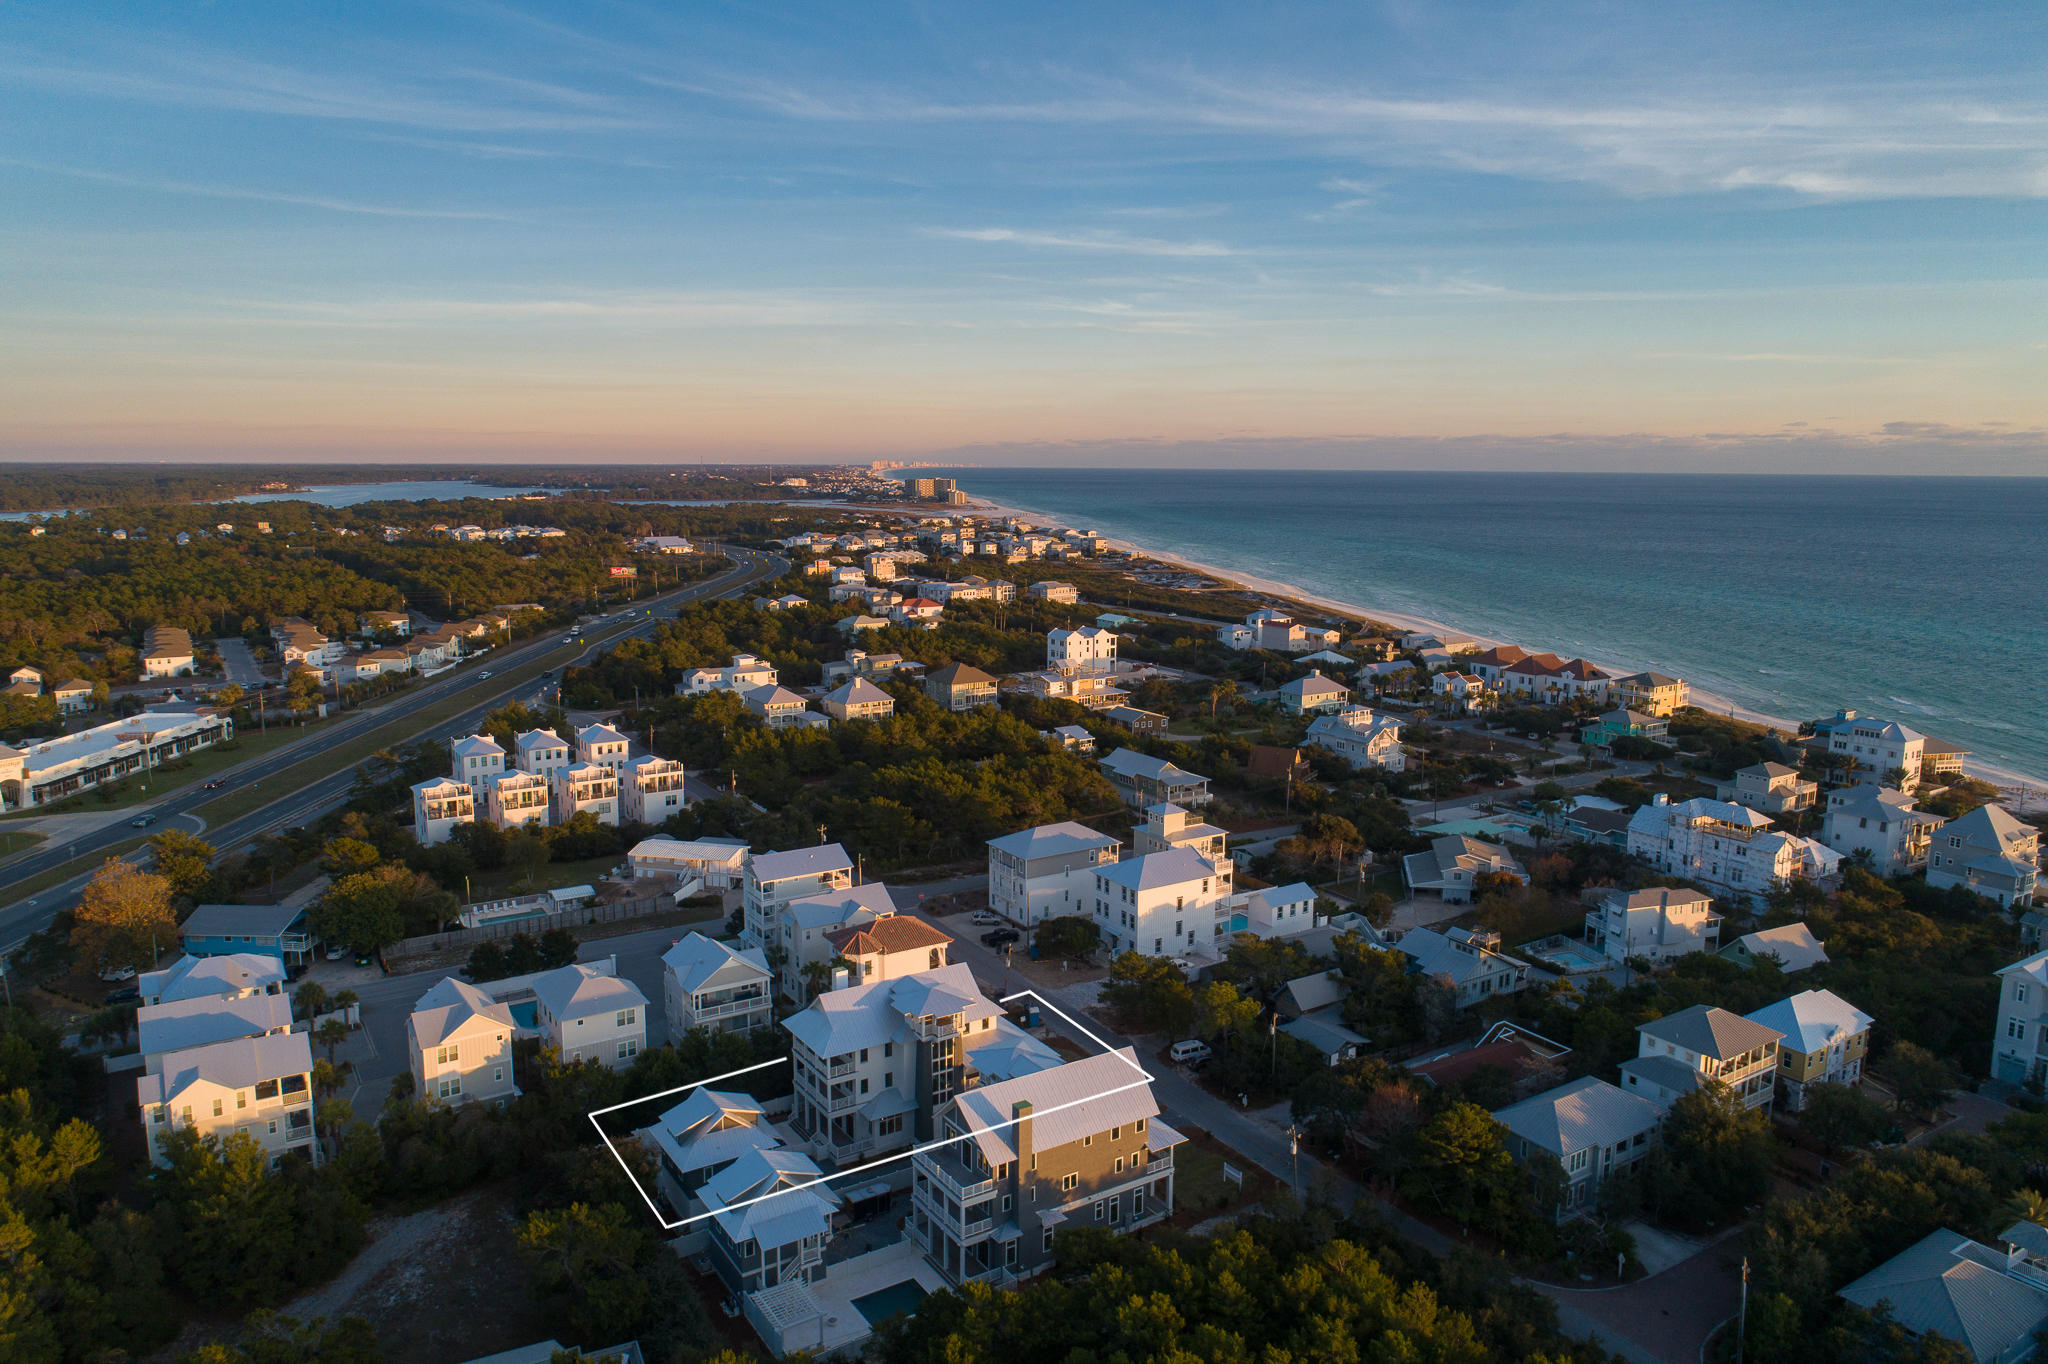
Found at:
(330, 1035)
(311, 999)
(2028, 1205)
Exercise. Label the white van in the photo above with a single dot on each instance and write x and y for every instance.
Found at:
(1189, 1052)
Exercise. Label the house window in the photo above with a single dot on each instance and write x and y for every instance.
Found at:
(1100, 1206)
(2016, 1030)
(273, 1127)
(1137, 1202)
(241, 1098)
(1045, 1241)
(1088, 1140)
(888, 1079)
(2019, 992)
(626, 1017)
(1068, 1183)
(498, 1073)
(888, 1050)
(1006, 1202)
(1119, 1164)
(451, 1085)
(447, 1054)
(216, 1108)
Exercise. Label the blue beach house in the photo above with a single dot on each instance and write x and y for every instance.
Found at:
(277, 931)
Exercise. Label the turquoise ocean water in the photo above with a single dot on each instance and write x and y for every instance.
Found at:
(1920, 599)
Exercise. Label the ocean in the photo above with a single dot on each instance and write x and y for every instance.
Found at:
(1923, 600)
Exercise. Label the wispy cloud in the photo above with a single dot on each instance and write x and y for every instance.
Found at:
(1083, 241)
(211, 80)
(327, 203)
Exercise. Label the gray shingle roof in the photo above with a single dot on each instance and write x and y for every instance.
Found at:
(1710, 1031)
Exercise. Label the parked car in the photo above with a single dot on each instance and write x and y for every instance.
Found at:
(986, 920)
(335, 952)
(126, 995)
(1190, 1052)
(1001, 937)
(115, 973)
(142, 821)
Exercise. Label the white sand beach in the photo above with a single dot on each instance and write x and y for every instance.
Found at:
(2025, 791)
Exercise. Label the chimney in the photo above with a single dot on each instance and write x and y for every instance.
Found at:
(841, 978)
(1020, 1114)
(1660, 799)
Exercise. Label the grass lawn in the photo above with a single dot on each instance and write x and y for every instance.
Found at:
(505, 883)
(12, 843)
(204, 765)
(1199, 1188)
(21, 890)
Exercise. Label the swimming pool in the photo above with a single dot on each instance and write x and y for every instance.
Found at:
(887, 1302)
(1568, 955)
(526, 1015)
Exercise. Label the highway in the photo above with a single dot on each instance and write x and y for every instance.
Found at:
(296, 805)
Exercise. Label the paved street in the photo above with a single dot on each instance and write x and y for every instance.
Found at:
(296, 805)
(237, 663)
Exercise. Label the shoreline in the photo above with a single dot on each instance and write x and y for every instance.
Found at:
(1712, 702)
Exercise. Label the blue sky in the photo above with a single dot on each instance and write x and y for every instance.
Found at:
(1541, 235)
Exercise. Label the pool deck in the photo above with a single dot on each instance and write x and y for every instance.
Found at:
(838, 1323)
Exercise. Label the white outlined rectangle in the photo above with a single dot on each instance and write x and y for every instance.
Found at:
(1146, 1078)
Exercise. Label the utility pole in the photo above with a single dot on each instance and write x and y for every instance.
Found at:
(1742, 1316)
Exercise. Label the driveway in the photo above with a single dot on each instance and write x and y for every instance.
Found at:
(237, 663)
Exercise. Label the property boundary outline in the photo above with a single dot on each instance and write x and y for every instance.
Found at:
(1146, 1078)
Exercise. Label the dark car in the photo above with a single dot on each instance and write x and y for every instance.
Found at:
(216, 783)
(1001, 937)
(126, 995)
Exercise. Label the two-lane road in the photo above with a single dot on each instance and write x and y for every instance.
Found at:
(296, 803)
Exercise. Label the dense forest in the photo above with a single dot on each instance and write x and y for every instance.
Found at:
(75, 599)
(1299, 1287)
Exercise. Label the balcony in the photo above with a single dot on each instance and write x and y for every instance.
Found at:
(961, 1180)
(839, 1068)
(703, 1010)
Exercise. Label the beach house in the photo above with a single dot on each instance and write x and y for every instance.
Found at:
(1772, 788)
(859, 699)
(258, 1086)
(1651, 693)
(1992, 1303)
(745, 673)
(1453, 866)
(588, 1015)
(2019, 1046)
(652, 790)
(1792, 946)
(585, 788)
(1047, 872)
(276, 931)
(1468, 960)
(1145, 781)
(1728, 847)
(1658, 924)
(459, 1041)
(1825, 1039)
(1312, 695)
(1880, 824)
(1883, 751)
(707, 984)
(960, 686)
(1090, 649)
(1169, 826)
(1361, 737)
(1679, 1052)
(1161, 904)
(773, 879)
(1073, 1145)
(1989, 852)
(1595, 1130)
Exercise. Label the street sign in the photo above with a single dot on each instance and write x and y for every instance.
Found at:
(1233, 1174)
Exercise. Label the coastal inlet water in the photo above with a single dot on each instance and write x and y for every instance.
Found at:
(1923, 600)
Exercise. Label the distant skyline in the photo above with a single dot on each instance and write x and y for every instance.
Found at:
(1758, 238)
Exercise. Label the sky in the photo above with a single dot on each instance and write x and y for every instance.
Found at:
(1547, 235)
